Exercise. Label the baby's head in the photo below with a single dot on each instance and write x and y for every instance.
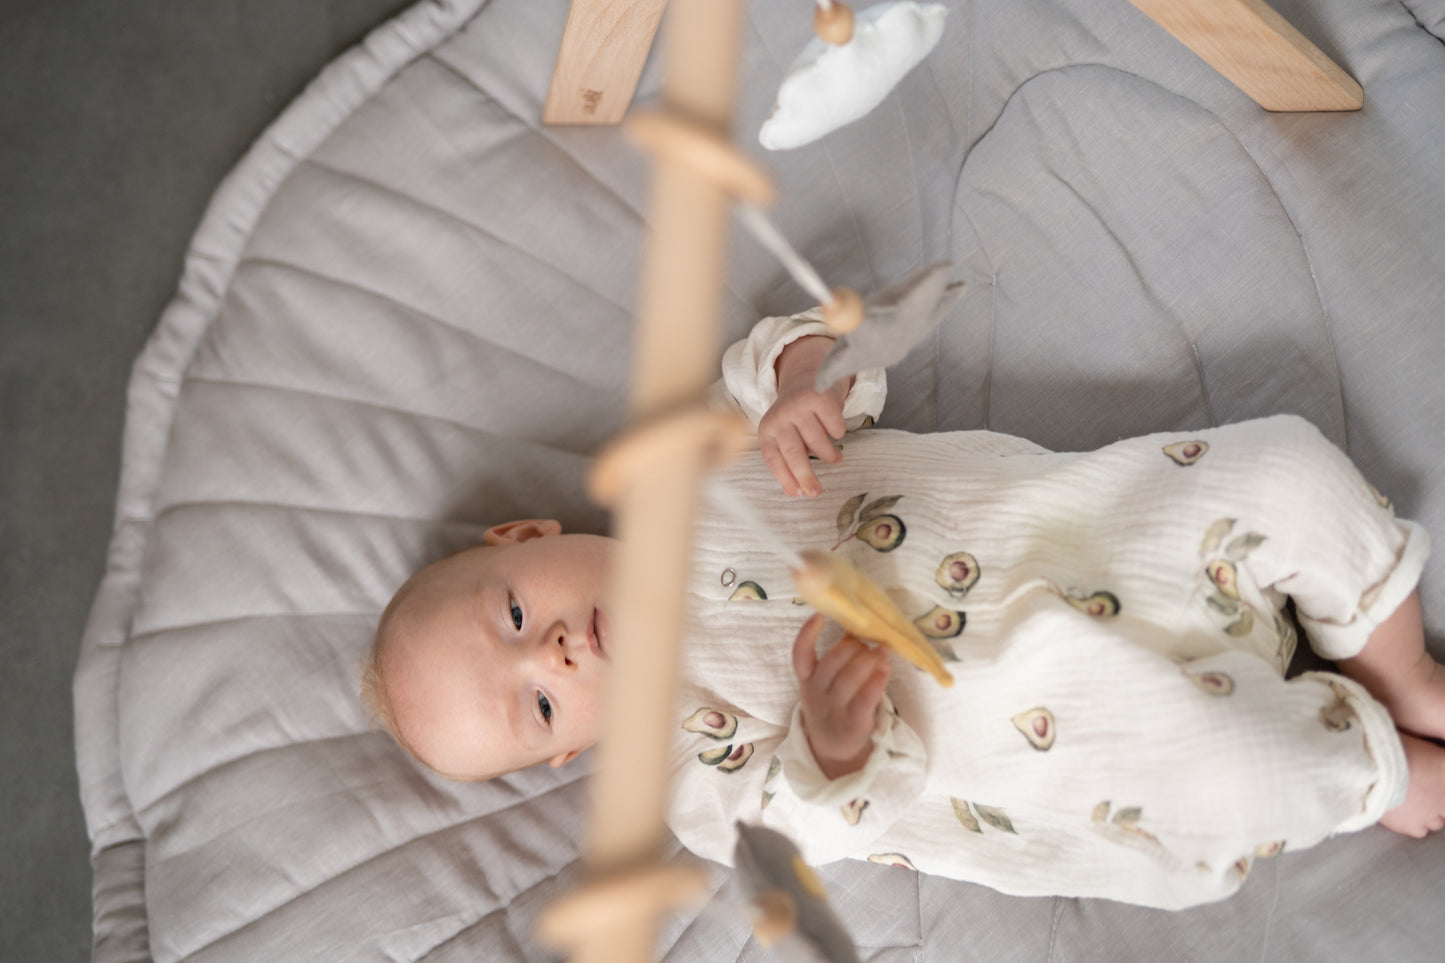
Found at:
(493, 659)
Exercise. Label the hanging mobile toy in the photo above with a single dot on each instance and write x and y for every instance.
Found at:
(849, 67)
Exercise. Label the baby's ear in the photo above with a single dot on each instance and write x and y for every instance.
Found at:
(514, 533)
(562, 758)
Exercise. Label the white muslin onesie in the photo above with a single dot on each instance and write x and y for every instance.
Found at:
(1119, 725)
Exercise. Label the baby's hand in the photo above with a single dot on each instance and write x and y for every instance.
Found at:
(840, 694)
(803, 420)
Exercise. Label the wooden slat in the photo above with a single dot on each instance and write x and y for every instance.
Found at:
(676, 349)
(1259, 52)
(600, 60)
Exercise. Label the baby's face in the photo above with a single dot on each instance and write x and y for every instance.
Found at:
(495, 658)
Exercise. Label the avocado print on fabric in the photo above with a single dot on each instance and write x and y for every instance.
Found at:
(1123, 825)
(747, 592)
(990, 815)
(1098, 603)
(774, 767)
(1038, 727)
(893, 859)
(1337, 716)
(957, 573)
(937, 626)
(1223, 556)
(1186, 453)
(727, 758)
(874, 526)
(719, 725)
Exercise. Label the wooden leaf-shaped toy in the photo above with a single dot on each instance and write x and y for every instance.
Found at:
(850, 598)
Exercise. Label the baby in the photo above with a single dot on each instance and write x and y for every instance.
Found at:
(1120, 725)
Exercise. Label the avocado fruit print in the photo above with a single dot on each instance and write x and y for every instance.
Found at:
(1224, 557)
(727, 758)
(714, 723)
(1099, 604)
(1038, 727)
(884, 533)
(941, 623)
(957, 573)
(872, 524)
(1214, 683)
(1186, 453)
(893, 859)
(748, 591)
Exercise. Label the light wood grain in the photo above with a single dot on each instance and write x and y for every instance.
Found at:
(676, 347)
(600, 60)
(1259, 52)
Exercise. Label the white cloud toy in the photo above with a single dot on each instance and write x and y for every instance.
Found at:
(830, 85)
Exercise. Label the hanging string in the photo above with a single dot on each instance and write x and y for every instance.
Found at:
(771, 238)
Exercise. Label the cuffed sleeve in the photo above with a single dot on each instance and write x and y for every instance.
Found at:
(750, 379)
(781, 786)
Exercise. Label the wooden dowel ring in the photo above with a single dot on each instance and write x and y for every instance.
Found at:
(651, 446)
(845, 312)
(710, 155)
(617, 900)
(834, 24)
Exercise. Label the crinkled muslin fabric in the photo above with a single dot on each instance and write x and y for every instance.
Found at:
(406, 316)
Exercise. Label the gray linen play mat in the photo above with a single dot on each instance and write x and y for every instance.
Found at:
(406, 316)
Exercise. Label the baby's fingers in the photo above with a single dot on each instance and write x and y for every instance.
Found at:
(778, 464)
(855, 676)
(864, 705)
(805, 652)
(818, 440)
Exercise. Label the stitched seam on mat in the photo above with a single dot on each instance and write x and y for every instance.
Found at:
(472, 818)
(502, 907)
(463, 222)
(265, 507)
(410, 309)
(541, 132)
(150, 635)
(404, 412)
(1264, 176)
(546, 136)
(228, 763)
(1054, 927)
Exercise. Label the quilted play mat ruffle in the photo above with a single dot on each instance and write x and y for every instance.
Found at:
(407, 314)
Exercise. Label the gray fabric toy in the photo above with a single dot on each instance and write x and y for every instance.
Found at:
(894, 320)
(791, 915)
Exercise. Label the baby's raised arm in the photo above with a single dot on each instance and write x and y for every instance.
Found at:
(803, 421)
(769, 377)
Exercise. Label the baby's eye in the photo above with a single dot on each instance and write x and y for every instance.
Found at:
(545, 706)
(516, 613)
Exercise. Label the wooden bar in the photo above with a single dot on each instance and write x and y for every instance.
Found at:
(1259, 52)
(600, 60)
(676, 345)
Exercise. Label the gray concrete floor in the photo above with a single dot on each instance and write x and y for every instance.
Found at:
(118, 118)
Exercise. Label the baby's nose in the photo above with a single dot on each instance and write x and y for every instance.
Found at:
(558, 647)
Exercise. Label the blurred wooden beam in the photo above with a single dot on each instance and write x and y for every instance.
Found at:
(600, 60)
(1259, 52)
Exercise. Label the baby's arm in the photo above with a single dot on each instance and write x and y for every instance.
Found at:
(803, 421)
(769, 376)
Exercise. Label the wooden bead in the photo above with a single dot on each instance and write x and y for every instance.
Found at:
(834, 24)
(704, 152)
(845, 312)
(651, 446)
(615, 900)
